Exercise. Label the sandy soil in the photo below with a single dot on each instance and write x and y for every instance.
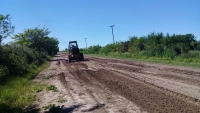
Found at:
(100, 85)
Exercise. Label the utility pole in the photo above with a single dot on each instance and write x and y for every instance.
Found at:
(86, 42)
(112, 33)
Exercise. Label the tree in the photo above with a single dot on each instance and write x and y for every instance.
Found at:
(93, 49)
(5, 27)
(22, 39)
(185, 42)
(50, 45)
(198, 46)
(155, 41)
(132, 47)
(38, 39)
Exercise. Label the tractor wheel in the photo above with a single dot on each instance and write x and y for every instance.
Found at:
(69, 59)
(81, 57)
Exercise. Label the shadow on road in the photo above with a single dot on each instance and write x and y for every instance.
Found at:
(98, 106)
(69, 109)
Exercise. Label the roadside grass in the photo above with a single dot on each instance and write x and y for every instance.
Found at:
(18, 92)
(52, 87)
(46, 77)
(53, 69)
(61, 100)
(194, 99)
(187, 62)
(38, 87)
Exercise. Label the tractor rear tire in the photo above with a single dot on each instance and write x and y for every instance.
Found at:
(81, 57)
(69, 59)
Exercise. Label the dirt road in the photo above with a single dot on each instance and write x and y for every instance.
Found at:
(102, 85)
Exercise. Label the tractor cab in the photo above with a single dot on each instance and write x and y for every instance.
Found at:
(73, 52)
(73, 44)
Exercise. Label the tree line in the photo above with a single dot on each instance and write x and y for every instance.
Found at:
(28, 50)
(152, 45)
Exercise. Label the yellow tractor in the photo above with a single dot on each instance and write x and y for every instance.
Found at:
(74, 53)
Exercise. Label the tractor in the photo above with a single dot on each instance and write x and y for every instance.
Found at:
(74, 53)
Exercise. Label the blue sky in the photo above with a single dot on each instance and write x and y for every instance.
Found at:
(78, 19)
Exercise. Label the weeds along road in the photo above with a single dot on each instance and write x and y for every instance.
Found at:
(103, 85)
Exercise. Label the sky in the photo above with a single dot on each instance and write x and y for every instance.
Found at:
(70, 20)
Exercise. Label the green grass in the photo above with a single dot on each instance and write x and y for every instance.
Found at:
(52, 87)
(194, 99)
(53, 69)
(38, 88)
(61, 100)
(187, 62)
(46, 77)
(18, 92)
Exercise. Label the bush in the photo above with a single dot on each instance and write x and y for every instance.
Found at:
(93, 49)
(169, 53)
(103, 50)
(191, 54)
(3, 71)
(126, 54)
(16, 59)
(147, 53)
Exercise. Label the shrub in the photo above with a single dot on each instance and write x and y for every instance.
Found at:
(16, 59)
(93, 49)
(126, 54)
(191, 54)
(3, 71)
(147, 53)
(53, 88)
(169, 53)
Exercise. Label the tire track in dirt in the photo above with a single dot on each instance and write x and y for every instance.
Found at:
(80, 77)
(114, 103)
(140, 64)
(173, 93)
(82, 99)
(142, 94)
(62, 77)
(63, 81)
(157, 74)
(188, 72)
(118, 79)
(185, 87)
(156, 71)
